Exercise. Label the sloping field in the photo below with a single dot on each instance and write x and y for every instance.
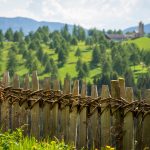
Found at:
(143, 43)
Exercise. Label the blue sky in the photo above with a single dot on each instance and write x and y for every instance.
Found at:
(88, 13)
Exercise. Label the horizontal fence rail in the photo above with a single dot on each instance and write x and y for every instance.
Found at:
(112, 118)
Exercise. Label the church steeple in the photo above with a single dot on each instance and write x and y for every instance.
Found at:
(141, 28)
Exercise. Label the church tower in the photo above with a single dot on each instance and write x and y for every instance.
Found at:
(141, 29)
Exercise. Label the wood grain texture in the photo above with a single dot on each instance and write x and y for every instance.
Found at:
(15, 106)
(65, 112)
(55, 111)
(146, 125)
(93, 134)
(24, 108)
(73, 116)
(82, 134)
(105, 118)
(35, 111)
(128, 126)
(116, 128)
(5, 106)
(46, 111)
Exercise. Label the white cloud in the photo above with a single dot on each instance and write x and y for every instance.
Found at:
(3, 1)
(88, 13)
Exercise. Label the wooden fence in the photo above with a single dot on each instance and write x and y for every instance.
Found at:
(114, 118)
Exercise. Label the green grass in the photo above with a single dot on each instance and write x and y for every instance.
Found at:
(142, 43)
(16, 141)
(138, 69)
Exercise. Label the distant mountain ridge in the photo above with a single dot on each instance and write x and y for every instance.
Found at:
(131, 29)
(27, 24)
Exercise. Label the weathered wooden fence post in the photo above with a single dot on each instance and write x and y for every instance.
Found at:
(122, 89)
(82, 137)
(55, 109)
(73, 114)
(24, 109)
(146, 124)
(105, 117)
(6, 79)
(93, 139)
(26, 82)
(15, 104)
(138, 125)
(5, 106)
(35, 109)
(128, 126)
(46, 109)
(65, 108)
(116, 129)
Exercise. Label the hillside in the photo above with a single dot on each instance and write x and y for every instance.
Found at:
(142, 43)
(69, 67)
(60, 54)
(27, 24)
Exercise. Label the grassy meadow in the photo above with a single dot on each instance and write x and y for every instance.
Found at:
(142, 43)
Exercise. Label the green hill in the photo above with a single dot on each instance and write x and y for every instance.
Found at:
(70, 65)
(142, 43)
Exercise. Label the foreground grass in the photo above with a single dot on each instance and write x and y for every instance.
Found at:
(16, 141)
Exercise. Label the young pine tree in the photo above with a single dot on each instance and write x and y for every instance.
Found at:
(78, 52)
(12, 63)
(96, 56)
(9, 35)
(48, 67)
(85, 69)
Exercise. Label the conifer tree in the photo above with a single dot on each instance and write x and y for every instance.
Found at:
(96, 56)
(9, 35)
(74, 41)
(12, 63)
(48, 67)
(78, 52)
(79, 64)
(85, 69)
(1, 36)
